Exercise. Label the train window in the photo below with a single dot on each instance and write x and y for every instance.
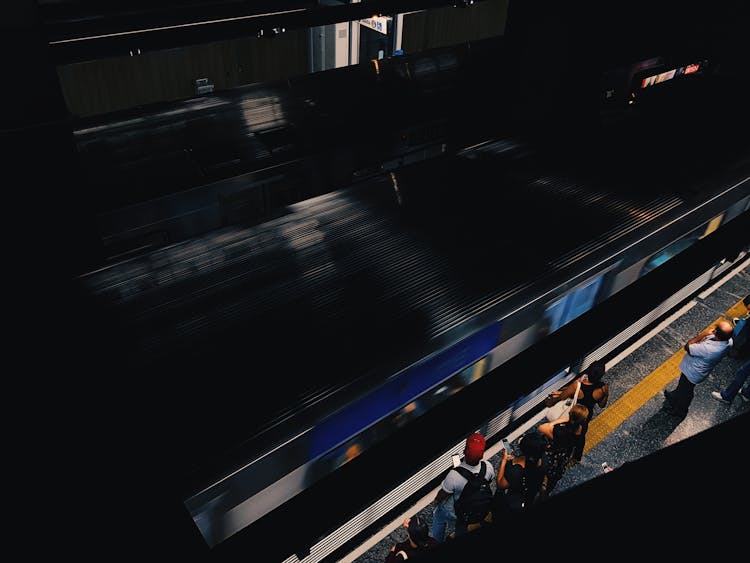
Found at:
(553, 316)
(582, 299)
(678, 246)
(572, 305)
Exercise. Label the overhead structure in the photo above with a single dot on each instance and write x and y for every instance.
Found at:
(79, 31)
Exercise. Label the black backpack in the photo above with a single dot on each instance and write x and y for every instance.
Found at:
(475, 500)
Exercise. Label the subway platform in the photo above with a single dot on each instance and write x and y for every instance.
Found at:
(633, 431)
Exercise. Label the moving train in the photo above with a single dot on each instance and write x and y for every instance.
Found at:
(356, 312)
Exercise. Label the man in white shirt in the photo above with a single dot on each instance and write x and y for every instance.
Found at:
(453, 484)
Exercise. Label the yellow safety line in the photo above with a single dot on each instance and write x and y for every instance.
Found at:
(737, 310)
(618, 412)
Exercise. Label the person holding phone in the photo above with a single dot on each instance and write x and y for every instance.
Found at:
(506, 445)
(450, 489)
(522, 480)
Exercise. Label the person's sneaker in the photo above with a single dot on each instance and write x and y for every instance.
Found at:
(743, 397)
(716, 395)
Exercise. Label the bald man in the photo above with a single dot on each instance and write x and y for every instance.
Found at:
(703, 353)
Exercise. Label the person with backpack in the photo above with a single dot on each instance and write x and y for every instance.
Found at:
(474, 476)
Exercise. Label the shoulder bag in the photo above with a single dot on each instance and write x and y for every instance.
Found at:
(560, 408)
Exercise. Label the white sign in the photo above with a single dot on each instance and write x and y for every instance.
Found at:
(378, 23)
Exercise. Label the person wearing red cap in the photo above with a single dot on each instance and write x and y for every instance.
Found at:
(453, 484)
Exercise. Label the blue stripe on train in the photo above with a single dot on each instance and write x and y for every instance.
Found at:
(401, 389)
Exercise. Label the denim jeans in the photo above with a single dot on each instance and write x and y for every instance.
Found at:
(441, 516)
(740, 334)
(740, 379)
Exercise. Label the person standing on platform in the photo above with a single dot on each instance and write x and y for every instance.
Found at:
(566, 438)
(703, 353)
(738, 386)
(740, 346)
(594, 392)
(454, 483)
(415, 545)
(522, 480)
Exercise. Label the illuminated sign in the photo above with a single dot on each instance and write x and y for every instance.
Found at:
(378, 23)
(670, 74)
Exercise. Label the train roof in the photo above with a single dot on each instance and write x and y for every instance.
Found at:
(339, 292)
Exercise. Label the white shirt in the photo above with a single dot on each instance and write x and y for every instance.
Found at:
(454, 482)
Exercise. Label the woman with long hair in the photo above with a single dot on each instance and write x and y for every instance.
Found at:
(566, 437)
(521, 480)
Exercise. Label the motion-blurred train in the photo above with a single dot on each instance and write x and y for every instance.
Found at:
(357, 311)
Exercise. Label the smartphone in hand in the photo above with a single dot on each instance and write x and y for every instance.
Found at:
(456, 460)
(506, 445)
